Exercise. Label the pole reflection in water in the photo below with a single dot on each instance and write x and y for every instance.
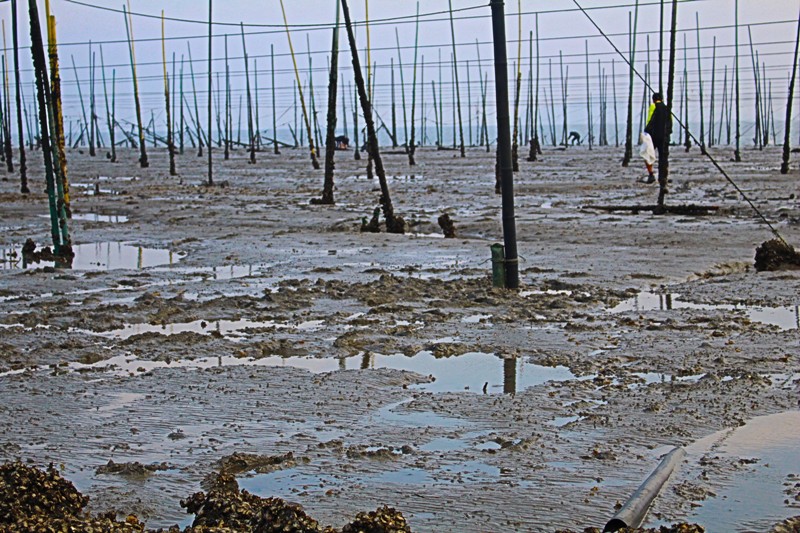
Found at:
(510, 376)
(366, 361)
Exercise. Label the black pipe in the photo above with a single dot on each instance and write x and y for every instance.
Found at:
(504, 143)
(632, 514)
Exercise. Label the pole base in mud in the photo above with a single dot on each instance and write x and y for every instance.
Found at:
(498, 266)
(690, 209)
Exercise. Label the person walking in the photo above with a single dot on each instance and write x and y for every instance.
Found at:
(659, 127)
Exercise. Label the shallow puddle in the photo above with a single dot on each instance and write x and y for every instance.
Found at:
(474, 372)
(95, 217)
(230, 329)
(755, 499)
(784, 317)
(100, 256)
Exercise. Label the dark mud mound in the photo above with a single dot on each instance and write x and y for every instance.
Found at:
(775, 255)
(43, 501)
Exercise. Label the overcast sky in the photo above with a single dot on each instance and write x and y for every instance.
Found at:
(565, 32)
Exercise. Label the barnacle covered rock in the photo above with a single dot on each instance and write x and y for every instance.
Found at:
(383, 520)
(26, 491)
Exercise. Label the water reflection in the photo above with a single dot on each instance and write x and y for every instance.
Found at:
(784, 317)
(93, 256)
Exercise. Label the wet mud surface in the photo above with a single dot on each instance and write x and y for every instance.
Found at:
(241, 330)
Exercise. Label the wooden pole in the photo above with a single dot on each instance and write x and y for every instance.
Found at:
(394, 224)
(58, 116)
(330, 139)
(182, 119)
(687, 138)
(788, 128)
(614, 94)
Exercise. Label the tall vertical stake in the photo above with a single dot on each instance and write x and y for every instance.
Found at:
(274, 116)
(23, 168)
(504, 144)
(129, 30)
(455, 69)
(170, 143)
(788, 128)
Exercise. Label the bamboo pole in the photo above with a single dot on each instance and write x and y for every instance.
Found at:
(274, 113)
(182, 118)
(536, 147)
(687, 137)
(590, 134)
(435, 113)
(313, 152)
(518, 86)
(632, 47)
(393, 103)
(614, 95)
(58, 116)
(564, 78)
(356, 145)
(250, 124)
(412, 147)
(711, 117)
(552, 103)
(455, 70)
(210, 74)
(257, 127)
(9, 151)
(737, 155)
(423, 116)
(109, 113)
(724, 106)
(170, 144)
(129, 32)
(227, 148)
(788, 127)
(58, 215)
(402, 89)
(198, 127)
(92, 114)
(700, 86)
(753, 57)
(23, 168)
(330, 140)
(394, 224)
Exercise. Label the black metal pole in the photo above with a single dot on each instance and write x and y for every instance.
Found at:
(504, 143)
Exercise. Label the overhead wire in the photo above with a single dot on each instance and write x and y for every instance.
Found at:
(689, 133)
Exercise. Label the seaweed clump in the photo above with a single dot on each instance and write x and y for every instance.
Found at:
(775, 255)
